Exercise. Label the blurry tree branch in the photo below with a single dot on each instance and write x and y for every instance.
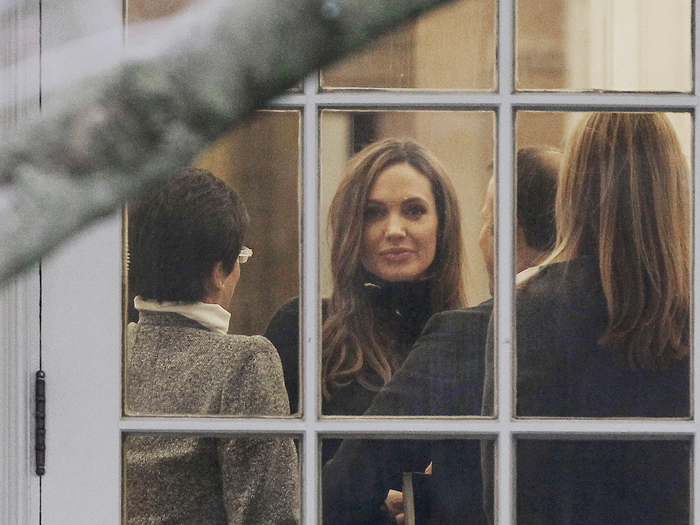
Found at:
(113, 137)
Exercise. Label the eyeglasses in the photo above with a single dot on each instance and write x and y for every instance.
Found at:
(246, 253)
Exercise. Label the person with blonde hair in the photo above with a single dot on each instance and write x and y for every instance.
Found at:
(396, 259)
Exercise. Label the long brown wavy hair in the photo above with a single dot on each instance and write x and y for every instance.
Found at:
(624, 196)
(354, 341)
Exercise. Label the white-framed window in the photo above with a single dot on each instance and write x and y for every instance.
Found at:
(638, 53)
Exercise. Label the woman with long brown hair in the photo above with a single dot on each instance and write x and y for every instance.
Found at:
(619, 281)
(396, 259)
(603, 331)
(627, 203)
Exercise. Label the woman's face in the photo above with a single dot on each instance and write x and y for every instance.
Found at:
(399, 238)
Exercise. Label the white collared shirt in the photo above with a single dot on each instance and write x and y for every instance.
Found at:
(212, 316)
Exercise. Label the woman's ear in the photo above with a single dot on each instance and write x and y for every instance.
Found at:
(222, 284)
(218, 276)
(214, 284)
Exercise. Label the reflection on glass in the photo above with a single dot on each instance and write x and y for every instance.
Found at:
(374, 480)
(603, 481)
(614, 45)
(395, 253)
(150, 10)
(451, 48)
(184, 264)
(141, 10)
(210, 480)
(603, 324)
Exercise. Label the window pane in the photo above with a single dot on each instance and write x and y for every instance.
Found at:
(603, 325)
(615, 45)
(364, 471)
(148, 10)
(603, 481)
(142, 10)
(261, 161)
(238, 479)
(450, 48)
(381, 287)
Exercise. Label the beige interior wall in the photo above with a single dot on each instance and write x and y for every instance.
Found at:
(629, 45)
(463, 141)
(335, 152)
(260, 159)
(453, 47)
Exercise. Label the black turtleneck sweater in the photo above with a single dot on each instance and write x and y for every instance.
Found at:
(403, 307)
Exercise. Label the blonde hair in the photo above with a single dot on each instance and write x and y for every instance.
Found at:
(624, 197)
(354, 340)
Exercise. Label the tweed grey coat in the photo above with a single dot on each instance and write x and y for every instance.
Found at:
(176, 366)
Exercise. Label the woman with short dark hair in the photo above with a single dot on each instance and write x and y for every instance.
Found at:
(186, 246)
(181, 232)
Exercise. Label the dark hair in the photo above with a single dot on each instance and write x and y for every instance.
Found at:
(353, 340)
(538, 172)
(180, 231)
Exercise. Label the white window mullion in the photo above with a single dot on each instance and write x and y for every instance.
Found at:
(419, 427)
(504, 319)
(504, 488)
(465, 100)
(310, 302)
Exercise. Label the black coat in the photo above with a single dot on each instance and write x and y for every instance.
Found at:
(403, 308)
(442, 376)
(561, 372)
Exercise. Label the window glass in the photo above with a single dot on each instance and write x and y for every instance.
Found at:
(462, 141)
(564, 45)
(614, 45)
(202, 479)
(450, 48)
(393, 223)
(260, 160)
(430, 481)
(603, 481)
(591, 338)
